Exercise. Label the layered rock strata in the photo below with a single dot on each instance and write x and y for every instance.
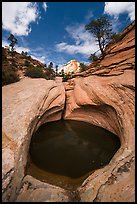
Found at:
(104, 96)
(109, 103)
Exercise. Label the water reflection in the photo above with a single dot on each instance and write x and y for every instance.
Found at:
(72, 148)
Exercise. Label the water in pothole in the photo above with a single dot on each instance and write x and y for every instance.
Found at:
(65, 152)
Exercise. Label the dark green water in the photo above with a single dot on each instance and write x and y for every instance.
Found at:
(72, 148)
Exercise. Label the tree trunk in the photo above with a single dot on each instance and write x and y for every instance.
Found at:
(101, 49)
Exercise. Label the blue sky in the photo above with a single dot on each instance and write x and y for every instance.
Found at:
(54, 31)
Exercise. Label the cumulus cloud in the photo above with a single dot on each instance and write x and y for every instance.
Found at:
(40, 54)
(17, 16)
(84, 42)
(20, 49)
(45, 6)
(4, 43)
(116, 8)
(39, 58)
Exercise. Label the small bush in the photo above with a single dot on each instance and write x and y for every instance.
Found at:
(83, 67)
(93, 57)
(119, 37)
(97, 65)
(9, 76)
(4, 57)
(34, 72)
(28, 57)
(49, 73)
(27, 63)
(51, 77)
(66, 77)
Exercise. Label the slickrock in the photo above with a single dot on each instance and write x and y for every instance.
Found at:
(25, 106)
(33, 190)
(107, 102)
(104, 95)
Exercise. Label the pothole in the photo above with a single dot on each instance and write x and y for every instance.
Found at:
(64, 153)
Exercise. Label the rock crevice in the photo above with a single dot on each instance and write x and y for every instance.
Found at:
(108, 102)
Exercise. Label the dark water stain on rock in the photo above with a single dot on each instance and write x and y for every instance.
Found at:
(64, 153)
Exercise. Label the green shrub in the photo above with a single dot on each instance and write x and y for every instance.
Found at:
(49, 73)
(93, 57)
(27, 63)
(119, 37)
(34, 72)
(4, 57)
(28, 57)
(51, 77)
(97, 65)
(9, 75)
(66, 77)
(83, 67)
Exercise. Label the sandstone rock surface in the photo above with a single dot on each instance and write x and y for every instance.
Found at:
(25, 106)
(109, 103)
(33, 190)
(104, 95)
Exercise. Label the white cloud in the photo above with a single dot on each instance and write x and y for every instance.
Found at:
(4, 43)
(45, 6)
(39, 58)
(84, 42)
(116, 8)
(17, 16)
(20, 49)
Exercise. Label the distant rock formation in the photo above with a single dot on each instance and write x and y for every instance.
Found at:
(73, 66)
(104, 95)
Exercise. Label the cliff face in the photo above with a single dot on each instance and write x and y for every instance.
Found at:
(104, 95)
(71, 66)
(120, 56)
(107, 102)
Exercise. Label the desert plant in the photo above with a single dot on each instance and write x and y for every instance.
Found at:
(34, 72)
(9, 75)
(13, 41)
(62, 73)
(93, 57)
(49, 73)
(27, 63)
(102, 31)
(56, 70)
(4, 57)
(83, 67)
(66, 77)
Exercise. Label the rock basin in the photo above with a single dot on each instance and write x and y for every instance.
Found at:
(24, 111)
(104, 97)
(64, 153)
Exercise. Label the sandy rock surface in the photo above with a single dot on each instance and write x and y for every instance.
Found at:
(25, 106)
(104, 95)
